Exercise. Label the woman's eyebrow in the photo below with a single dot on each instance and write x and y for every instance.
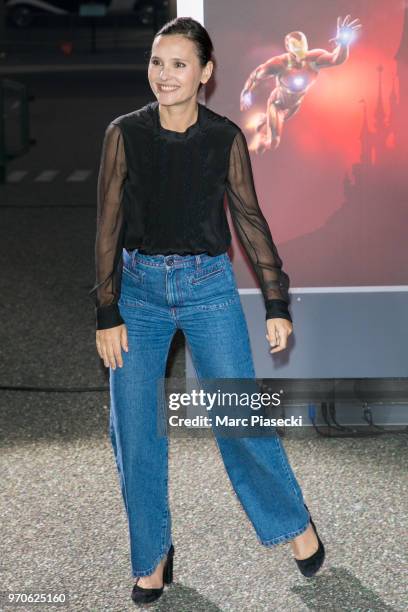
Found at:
(173, 58)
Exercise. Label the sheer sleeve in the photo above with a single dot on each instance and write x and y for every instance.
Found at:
(109, 229)
(253, 231)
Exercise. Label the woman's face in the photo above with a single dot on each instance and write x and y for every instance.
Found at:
(175, 71)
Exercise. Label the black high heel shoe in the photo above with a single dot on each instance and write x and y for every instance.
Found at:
(141, 595)
(312, 564)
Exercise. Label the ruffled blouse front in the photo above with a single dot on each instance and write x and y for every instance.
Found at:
(163, 191)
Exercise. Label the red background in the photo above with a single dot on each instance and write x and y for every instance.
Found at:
(327, 233)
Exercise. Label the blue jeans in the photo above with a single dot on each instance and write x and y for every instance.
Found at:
(197, 294)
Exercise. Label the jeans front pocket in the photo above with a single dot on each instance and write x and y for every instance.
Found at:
(212, 286)
(133, 287)
(208, 273)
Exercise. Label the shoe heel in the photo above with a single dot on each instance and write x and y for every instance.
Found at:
(312, 564)
(168, 567)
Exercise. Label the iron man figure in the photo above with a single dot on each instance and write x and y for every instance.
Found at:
(294, 73)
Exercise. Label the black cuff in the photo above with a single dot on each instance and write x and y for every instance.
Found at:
(277, 309)
(108, 316)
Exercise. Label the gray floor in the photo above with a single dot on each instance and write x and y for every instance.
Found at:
(63, 526)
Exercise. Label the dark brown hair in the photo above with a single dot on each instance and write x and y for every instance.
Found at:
(194, 31)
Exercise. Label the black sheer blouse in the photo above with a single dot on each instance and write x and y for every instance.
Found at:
(163, 191)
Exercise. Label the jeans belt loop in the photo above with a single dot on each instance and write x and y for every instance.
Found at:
(134, 253)
(197, 261)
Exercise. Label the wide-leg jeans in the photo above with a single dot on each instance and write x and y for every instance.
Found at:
(197, 294)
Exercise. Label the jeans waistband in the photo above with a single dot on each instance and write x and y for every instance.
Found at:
(172, 259)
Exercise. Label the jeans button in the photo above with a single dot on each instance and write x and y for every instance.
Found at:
(170, 261)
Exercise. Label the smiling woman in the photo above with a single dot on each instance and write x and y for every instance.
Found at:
(166, 171)
(175, 76)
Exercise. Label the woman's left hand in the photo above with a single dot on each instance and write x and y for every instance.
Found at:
(278, 332)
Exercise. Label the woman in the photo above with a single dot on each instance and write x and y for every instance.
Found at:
(161, 264)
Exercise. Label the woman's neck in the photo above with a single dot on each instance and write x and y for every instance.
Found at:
(178, 118)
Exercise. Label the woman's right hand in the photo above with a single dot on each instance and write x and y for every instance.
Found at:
(109, 343)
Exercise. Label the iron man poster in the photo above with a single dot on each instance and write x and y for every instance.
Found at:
(320, 90)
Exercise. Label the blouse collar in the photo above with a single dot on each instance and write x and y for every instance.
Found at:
(173, 135)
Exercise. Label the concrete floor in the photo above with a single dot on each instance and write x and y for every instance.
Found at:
(64, 528)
